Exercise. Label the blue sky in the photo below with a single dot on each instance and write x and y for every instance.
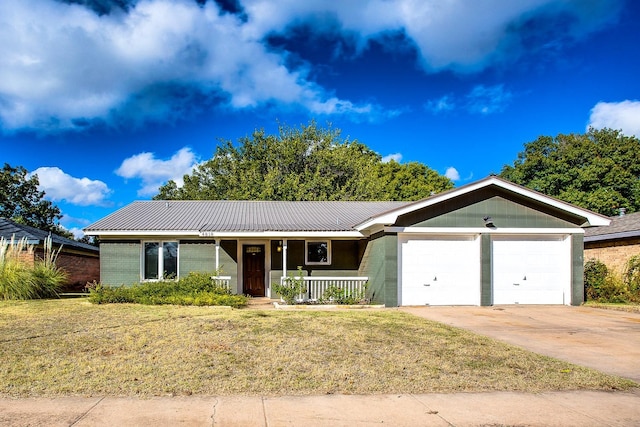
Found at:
(105, 100)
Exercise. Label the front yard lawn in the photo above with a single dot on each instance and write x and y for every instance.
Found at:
(71, 347)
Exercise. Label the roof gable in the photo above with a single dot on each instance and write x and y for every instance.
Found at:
(505, 213)
(471, 193)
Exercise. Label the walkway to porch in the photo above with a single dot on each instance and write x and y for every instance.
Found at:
(261, 303)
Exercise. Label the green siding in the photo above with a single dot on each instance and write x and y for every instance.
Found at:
(120, 263)
(197, 257)
(391, 270)
(229, 262)
(380, 264)
(505, 214)
(276, 257)
(372, 266)
(486, 274)
(295, 255)
(577, 269)
(346, 256)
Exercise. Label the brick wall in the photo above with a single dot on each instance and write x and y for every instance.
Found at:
(613, 254)
(80, 269)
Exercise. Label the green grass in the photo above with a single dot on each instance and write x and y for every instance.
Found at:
(71, 347)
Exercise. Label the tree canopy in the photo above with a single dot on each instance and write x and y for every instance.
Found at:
(598, 170)
(21, 201)
(306, 163)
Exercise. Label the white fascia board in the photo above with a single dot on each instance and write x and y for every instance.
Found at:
(392, 217)
(482, 230)
(284, 234)
(229, 234)
(142, 233)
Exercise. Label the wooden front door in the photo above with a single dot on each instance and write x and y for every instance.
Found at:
(253, 270)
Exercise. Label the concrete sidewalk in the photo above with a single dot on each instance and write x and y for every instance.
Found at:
(579, 408)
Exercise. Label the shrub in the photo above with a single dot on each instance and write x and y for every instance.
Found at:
(595, 273)
(193, 289)
(337, 295)
(603, 285)
(290, 288)
(632, 277)
(614, 290)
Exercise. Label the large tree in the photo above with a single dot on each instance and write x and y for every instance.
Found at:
(21, 201)
(306, 163)
(599, 170)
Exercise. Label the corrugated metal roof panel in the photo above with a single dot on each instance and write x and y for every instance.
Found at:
(240, 216)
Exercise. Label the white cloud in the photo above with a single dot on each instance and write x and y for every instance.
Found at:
(452, 174)
(623, 116)
(155, 172)
(77, 232)
(397, 157)
(463, 35)
(440, 105)
(62, 66)
(78, 191)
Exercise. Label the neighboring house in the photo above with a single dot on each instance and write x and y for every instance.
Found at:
(489, 242)
(615, 244)
(79, 260)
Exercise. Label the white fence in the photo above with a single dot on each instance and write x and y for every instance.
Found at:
(317, 285)
(222, 281)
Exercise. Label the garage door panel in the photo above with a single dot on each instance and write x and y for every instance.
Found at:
(440, 271)
(530, 270)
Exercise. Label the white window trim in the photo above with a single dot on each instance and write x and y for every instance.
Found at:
(160, 259)
(306, 252)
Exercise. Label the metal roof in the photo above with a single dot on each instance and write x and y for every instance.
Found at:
(621, 227)
(239, 216)
(35, 236)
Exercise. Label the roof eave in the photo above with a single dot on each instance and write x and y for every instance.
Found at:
(612, 236)
(226, 234)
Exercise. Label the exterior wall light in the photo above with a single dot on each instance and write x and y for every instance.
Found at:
(488, 222)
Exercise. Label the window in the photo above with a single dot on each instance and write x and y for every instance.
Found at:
(318, 253)
(160, 260)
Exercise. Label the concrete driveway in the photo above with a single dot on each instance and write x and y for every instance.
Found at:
(606, 340)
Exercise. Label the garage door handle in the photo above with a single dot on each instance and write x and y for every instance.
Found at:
(427, 284)
(516, 284)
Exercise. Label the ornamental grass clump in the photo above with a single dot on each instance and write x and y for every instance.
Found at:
(20, 279)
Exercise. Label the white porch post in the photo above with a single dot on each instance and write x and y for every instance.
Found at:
(284, 258)
(217, 256)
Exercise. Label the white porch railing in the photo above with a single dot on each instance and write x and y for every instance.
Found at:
(222, 281)
(317, 285)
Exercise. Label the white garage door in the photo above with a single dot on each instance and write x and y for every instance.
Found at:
(439, 270)
(531, 270)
